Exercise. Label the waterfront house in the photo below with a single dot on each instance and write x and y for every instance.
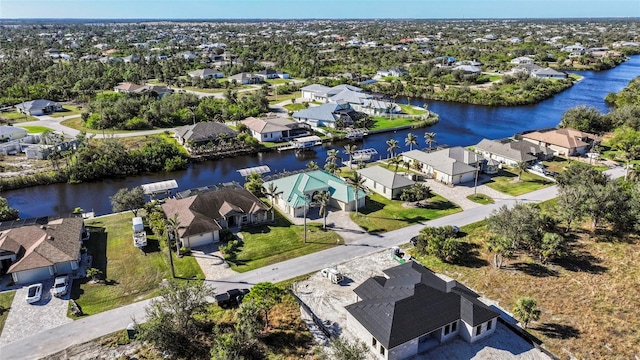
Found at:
(129, 88)
(549, 73)
(39, 252)
(325, 115)
(564, 142)
(512, 152)
(38, 107)
(204, 214)
(299, 189)
(203, 132)
(450, 166)
(246, 78)
(275, 128)
(411, 309)
(522, 60)
(385, 182)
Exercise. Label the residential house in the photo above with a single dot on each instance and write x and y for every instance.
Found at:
(8, 133)
(296, 191)
(393, 72)
(246, 78)
(129, 88)
(522, 60)
(203, 132)
(524, 68)
(564, 142)
(450, 166)
(512, 152)
(411, 310)
(326, 115)
(267, 74)
(203, 215)
(385, 182)
(38, 107)
(274, 128)
(354, 96)
(282, 75)
(39, 252)
(315, 92)
(468, 69)
(206, 74)
(549, 73)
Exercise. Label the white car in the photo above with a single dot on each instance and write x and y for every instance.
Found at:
(34, 293)
(60, 286)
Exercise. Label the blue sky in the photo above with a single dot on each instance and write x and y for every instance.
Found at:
(331, 9)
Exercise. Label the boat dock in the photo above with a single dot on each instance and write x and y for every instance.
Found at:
(302, 143)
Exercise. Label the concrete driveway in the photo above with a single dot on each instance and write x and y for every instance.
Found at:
(27, 319)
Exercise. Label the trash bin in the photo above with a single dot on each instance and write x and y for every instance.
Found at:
(131, 330)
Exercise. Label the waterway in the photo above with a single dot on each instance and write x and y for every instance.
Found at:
(460, 124)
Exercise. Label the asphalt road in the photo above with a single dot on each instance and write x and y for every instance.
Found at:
(86, 329)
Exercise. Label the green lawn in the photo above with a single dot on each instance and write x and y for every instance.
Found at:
(411, 110)
(283, 97)
(481, 199)
(279, 81)
(15, 116)
(68, 111)
(6, 299)
(381, 214)
(208, 91)
(506, 182)
(76, 123)
(386, 123)
(36, 129)
(269, 244)
(130, 274)
(295, 107)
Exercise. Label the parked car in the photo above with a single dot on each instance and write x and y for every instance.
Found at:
(60, 286)
(34, 293)
(332, 274)
(232, 297)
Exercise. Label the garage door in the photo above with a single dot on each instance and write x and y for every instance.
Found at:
(198, 240)
(33, 275)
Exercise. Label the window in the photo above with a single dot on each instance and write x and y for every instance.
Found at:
(478, 330)
(447, 329)
(382, 350)
(374, 342)
(454, 326)
(489, 325)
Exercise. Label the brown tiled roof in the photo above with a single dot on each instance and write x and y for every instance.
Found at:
(57, 242)
(129, 87)
(199, 213)
(566, 138)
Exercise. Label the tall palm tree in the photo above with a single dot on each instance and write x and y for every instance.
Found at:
(172, 229)
(312, 165)
(357, 183)
(349, 149)
(397, 161)
(411, 140)
(323, 199)
(332, 156)
(430, 138)
(392, 145)
(272, 192)
(521, 166)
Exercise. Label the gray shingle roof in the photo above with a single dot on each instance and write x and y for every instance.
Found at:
(451, 161)
(204, 131)
(324, 112)
(387, 178)
(413, 301)
(509, 150)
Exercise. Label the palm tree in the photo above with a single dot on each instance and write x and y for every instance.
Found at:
(312, 165)
(526, 310)
(357, 182)
(172, 232)
(323, 199)
(397, 161)
(521, 166)
(430, 138)
(272, 192)
(411, 140)
(332, 156)
(349, 149)
(392, 145)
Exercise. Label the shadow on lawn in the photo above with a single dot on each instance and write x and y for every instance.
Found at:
(534, 269)
(558, 331)
(97, 248)
(470, 256)
(582, 261)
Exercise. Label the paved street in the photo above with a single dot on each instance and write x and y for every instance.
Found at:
(77, 332)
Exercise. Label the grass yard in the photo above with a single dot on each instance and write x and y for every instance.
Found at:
(481, 199)
(130, 274)
(584, 299)
(76, 123)
(278, 81)
(283, 97)
(381, 214)
(506, 182)
(68, 111)
(15, 117)
(208, 91)
(295, 107)
(268, 244)
(6, 299)
(36, 129)
(383, 122)
(412, 110)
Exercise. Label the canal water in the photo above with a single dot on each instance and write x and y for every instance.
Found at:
(460, 124)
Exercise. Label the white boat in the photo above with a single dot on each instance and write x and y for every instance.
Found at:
(139, 235)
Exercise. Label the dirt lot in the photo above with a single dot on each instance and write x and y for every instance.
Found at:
(327, 301)
(19, 165)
